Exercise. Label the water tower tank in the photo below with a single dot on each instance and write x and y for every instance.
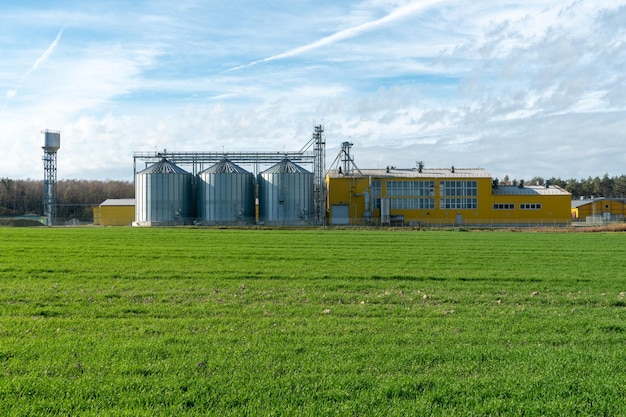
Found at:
(163, 194)
(51, 140)
(286, 194)
(226, 194)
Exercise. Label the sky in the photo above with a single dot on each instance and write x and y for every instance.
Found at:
(523, 88)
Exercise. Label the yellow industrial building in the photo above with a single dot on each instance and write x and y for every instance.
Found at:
(425, 197)
(599, 210)
(348, 196)
(115, 212)
(440, 197)
(428, 197)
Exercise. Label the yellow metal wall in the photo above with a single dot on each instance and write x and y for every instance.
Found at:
(555, 209)
(348, 191)
(115, 215)
(96, 215)
(598, 208)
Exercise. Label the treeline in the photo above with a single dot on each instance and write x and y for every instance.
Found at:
(609, 187)
(75, 198)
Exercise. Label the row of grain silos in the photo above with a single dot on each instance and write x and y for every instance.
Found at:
(223, 194)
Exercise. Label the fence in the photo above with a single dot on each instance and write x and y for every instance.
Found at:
(398, 221)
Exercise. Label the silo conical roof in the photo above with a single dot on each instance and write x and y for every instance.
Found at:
(164, 167)
(225, 167)
(286, 167)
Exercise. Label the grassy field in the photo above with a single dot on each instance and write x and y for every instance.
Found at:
(149, 322)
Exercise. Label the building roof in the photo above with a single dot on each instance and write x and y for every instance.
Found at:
(286, 167)
(225, 167)
(529, 190)
(585, 201)
(118, 202)
(578, 203)
(392, 172)
(163, 167)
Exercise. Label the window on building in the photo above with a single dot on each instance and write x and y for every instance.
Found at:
(530, 206)
(504, 206)
(412, 203)
(458, 203)
(410, 188)
(376, 190)
(461, 188)
(458, 188)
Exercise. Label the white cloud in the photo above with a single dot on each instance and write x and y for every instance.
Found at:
(514, 87)
(43, 58)
(395, 14)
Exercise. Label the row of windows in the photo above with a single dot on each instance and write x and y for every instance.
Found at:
(510, 206)
(458, 203)
(412, 203)
(449, 203)
(458, 188)
(410, 188)
(428, 203)
(459, 184)
(504, 206)
(426, 188)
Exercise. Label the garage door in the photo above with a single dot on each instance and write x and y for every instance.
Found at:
(340, 214)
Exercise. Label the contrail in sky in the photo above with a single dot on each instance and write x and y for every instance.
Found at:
(43, 58)
(396, 14)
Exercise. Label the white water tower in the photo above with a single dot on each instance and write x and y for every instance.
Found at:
(51, 142)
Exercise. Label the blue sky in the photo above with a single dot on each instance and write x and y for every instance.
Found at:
(519, 88)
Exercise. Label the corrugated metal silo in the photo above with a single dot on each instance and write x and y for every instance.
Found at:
(163, 195)
(226, 194)
(286, 194)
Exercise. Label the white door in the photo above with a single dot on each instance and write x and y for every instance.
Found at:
(340, 214)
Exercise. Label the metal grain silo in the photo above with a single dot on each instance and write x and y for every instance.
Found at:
(286, 194)
(163, 195)
(226, 194)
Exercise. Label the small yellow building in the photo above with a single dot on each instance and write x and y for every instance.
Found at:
(440, 197)
(115, 212)
(599, 210)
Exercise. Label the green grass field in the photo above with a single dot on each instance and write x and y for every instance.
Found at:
(149, 322)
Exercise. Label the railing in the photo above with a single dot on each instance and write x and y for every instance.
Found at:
(451, 222)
